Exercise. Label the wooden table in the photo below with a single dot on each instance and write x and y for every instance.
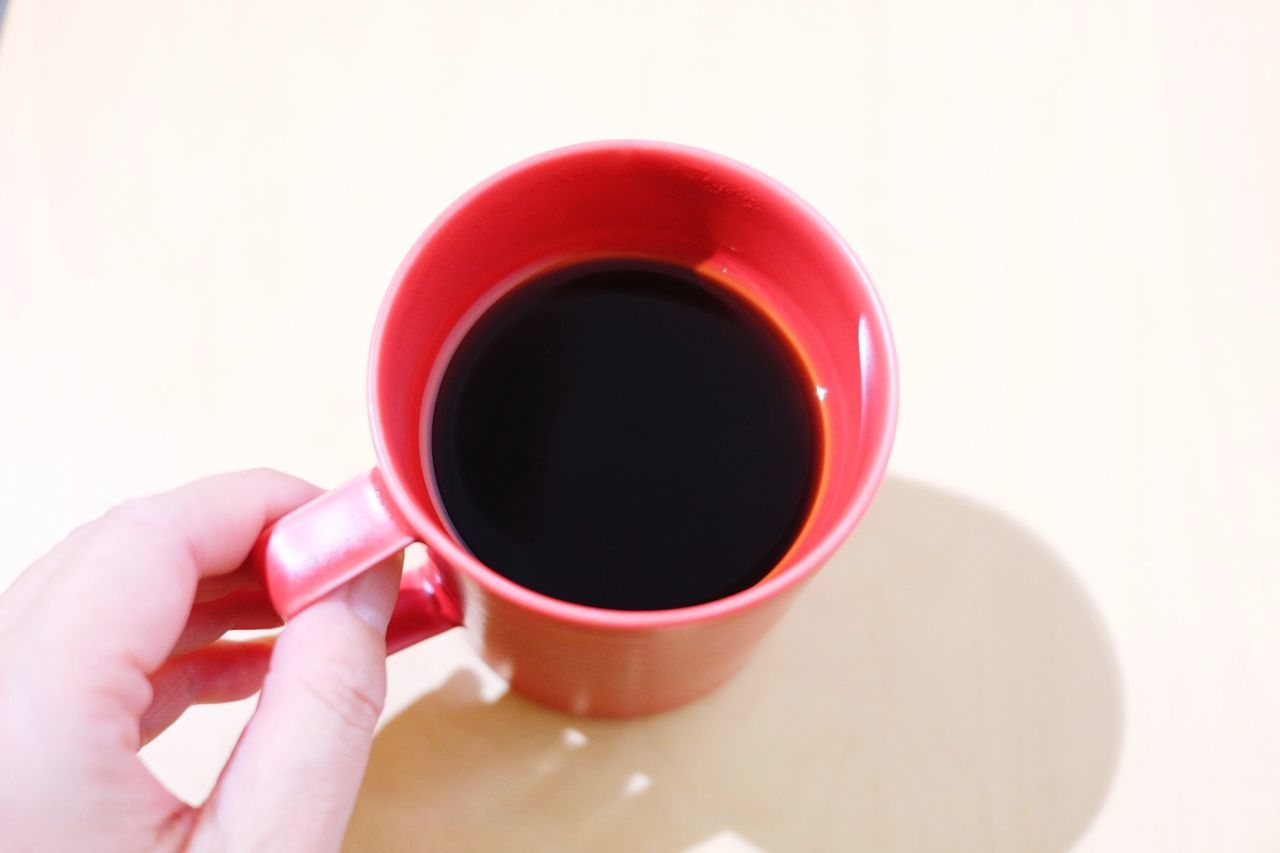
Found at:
(1060, 623)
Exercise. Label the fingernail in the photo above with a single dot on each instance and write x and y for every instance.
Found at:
(372, 595)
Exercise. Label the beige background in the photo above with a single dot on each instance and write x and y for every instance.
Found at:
(1059, 624)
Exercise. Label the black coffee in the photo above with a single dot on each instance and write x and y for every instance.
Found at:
(626, 435)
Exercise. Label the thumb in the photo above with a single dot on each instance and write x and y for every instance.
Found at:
(292, 781)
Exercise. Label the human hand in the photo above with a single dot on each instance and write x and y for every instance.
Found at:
(107, 639)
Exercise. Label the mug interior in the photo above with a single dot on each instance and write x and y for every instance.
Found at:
(664, 203)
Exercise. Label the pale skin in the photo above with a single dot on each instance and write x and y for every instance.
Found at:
(109, 637)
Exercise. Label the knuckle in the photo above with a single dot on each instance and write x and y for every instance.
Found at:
(266, 477)
(148, 518)
(354, 701)
(138, 513)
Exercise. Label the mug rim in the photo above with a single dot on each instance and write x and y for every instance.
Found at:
(439, 541)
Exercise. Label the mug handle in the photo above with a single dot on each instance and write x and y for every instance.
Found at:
(329, 540)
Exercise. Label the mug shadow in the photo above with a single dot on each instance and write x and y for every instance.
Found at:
(943, 684)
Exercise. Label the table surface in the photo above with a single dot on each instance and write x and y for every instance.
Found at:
(1058, 624)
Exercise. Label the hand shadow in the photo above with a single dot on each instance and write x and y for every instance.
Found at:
(943, 684)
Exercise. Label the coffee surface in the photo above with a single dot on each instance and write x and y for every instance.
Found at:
(625, 435)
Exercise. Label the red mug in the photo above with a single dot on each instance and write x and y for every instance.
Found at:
(649, 200)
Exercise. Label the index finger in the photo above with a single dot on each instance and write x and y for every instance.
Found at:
(117, 602)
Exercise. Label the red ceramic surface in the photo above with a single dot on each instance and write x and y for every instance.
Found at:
(632, 199)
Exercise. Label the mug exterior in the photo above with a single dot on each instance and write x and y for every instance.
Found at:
(650, 200)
